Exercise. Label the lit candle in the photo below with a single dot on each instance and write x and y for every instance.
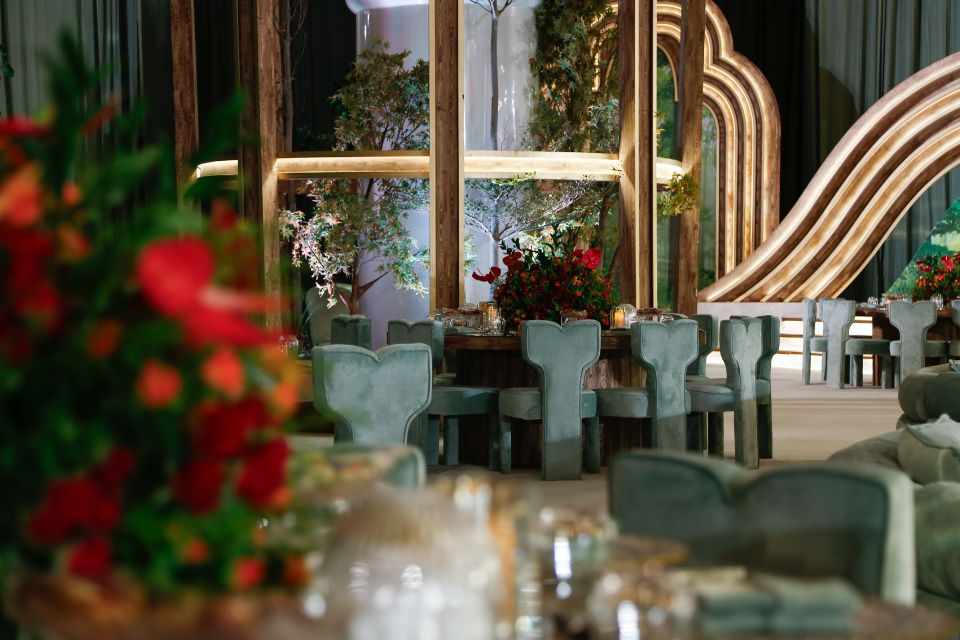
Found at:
(619, 319)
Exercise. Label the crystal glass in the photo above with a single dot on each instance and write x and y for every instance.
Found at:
(622, 316)
(938, 299)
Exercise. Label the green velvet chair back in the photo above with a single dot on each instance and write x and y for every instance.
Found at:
(428, 332)
(318, 314)
(770, 330)
(913, 319)
(741, 347)
(955, 311)
(561, 356)
(353, 330)
(852, 520)
(708, 324)
(372, 396)
(664, 350)
(837, 316)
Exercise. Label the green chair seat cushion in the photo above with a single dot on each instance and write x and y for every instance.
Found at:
(624, 402)
(818, 344)
(713, 395)
(931, 348)
(444, 379)
(931, 452)
(524, 403)
(463, 401)
(866, 346)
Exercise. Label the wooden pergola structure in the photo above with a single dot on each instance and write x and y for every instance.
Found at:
(259, 75)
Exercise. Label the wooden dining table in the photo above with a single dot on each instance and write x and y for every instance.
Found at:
(944, 329)
(496, 361)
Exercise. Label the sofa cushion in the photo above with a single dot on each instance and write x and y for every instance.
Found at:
(931, 452)
(880, 450)
(937, 515)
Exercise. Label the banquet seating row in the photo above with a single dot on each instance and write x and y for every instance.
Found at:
(381, 397)
(842, 356)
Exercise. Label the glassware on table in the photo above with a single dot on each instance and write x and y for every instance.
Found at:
(489, 316)
(622, 316)
(290, 345)
(572, 315)
(938, 299)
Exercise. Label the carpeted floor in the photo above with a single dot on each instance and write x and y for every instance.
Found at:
(810, 423)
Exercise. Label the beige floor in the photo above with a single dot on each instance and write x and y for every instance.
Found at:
(810, 423)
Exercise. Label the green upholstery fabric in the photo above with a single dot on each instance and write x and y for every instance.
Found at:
(937, 517)
(913, 319)
(931, 349)
(930, 393)
(708, 324)
(881, 450)
(770, 327)
(808, 313)
(318, 314)
(353, 330)
(561, 356)
(450, 402)
(848, 520)
(400, 466)
(837, 316)
(374, 397)
(428, 332)
(741, 346)
(930, 452)
(867, 346)
(856, 348)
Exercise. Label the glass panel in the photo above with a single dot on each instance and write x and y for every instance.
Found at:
(708, 200)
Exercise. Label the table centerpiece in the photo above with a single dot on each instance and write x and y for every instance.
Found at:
(142, 403)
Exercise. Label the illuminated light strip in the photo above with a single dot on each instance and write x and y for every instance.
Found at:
(416, 164)
(901, 145)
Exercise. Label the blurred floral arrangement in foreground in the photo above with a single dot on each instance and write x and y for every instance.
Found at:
(142, 404)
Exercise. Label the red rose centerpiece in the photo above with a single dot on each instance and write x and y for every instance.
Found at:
(540, 283)
(939, 275)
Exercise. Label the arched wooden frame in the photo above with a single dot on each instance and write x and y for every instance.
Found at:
(748, 129)
(892, 154)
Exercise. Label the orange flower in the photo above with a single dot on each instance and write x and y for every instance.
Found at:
(295, 572)
(247, 573)
(195, 551)
(74, 245)
(20, 197)
(71, 194)
(158, 385)
(104, 338)
(223, 371)
(284, 397)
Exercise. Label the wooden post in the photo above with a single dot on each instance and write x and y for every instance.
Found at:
(258, 67)
(692, 21)
(637, 34)
(446, 153)
(185, 119)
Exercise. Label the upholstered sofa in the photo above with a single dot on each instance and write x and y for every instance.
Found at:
(936, 520)
(928, 394)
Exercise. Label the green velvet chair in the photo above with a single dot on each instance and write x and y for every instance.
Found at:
(770, 326)
(561, 356)
(318, 314)
(373, 397)
(354, 330)
(664, 351)
(849, 520)
(844, 357)
(708, 325)
(448, 401)
(953, 350)
(741, 346)
(812, 343)
(913, 320)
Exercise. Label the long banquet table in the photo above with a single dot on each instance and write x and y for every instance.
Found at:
(496, 361)
(883, 329)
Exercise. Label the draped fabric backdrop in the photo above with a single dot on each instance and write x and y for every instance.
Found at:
(828, 61)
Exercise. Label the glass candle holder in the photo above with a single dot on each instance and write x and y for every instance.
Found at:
(621, 316)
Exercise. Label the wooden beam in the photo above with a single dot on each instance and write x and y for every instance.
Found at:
(446, 153)
(692, 24)
(185, 119)
(259, 71)
(636, 29)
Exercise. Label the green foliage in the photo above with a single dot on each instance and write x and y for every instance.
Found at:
(383, 106)
(680, 195)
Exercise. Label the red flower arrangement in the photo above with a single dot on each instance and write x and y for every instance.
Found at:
(541, 283)
(142, 405)
(938, 276)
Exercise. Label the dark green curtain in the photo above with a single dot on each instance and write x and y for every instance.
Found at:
(828, 61)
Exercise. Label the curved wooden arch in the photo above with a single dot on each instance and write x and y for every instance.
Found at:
(892, 154)
(748, 127)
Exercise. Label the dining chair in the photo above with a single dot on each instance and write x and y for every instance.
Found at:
(354, 330)
(812, 343)
(708, 326)
(374, 398)
(318, 315)
(852, 520)
(664, 351)
(741, 347)
(448, 401)
(770, 327)
(561, 357)
(913, 320)
(954, 349)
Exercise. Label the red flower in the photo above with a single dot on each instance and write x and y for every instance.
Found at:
(263, 475)
(512, 260)
(104, 338)
(158, 385)
(20, 197)
(20, 127)
(90, 558)
(173, 273)
(195, 551)
(224, 428)
(29, 251)
(42, 306)
(247, 573)
(204, 325)
(198, 485)
(490, 277)
(115, 468)
(222, 216)
(223, 371)
(591, 259)
(71, 505)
